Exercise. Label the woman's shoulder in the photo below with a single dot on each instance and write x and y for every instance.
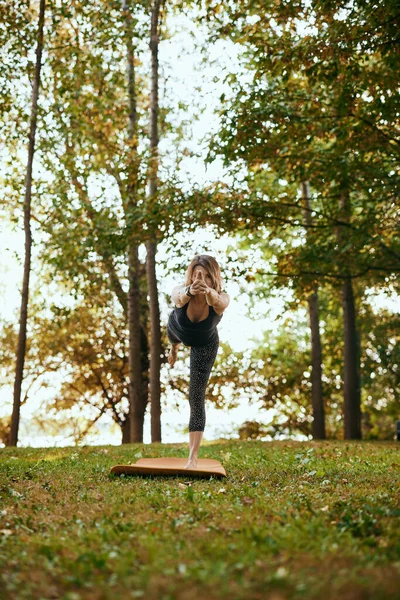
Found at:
(184, 307)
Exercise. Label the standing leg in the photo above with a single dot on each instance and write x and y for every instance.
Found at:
(201, 362)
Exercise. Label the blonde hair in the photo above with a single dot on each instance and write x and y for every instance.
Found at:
(212, 267)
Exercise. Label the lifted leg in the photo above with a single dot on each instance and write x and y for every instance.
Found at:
(173, 354)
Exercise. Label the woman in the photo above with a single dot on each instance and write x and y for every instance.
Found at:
(199, 305)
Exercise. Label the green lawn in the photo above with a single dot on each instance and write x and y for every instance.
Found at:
(291, 520)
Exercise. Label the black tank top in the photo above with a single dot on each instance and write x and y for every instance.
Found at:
(193, 334)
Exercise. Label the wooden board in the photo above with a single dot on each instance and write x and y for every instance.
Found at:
(171, 466)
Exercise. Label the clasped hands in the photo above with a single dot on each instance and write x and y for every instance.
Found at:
(199, 286)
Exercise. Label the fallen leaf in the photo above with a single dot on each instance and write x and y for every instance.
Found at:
(281, 572)
(182, 568)
(259, 563)
(247, 500)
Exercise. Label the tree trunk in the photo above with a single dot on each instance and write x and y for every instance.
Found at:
(135, 372)
(151, 245)
(13, 439)
(351, 369)
(125, 424)
(351, 372)
(318, 426)
(126, 430)
(144, 394)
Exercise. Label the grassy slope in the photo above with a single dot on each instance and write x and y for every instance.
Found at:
(291, 520)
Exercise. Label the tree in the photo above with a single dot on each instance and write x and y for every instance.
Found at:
(21, 349)
(316, 349)
(151, 244)
(130, 205)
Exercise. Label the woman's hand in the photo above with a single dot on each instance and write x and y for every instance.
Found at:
(199, 286)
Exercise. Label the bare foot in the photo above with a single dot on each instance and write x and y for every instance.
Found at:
(173, 355)
(192, 464)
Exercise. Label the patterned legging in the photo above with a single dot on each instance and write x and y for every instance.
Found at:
(201, 362)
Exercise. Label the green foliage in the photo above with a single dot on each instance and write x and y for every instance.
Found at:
(317, 105)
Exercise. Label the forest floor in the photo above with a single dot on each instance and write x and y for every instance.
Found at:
(292, 520)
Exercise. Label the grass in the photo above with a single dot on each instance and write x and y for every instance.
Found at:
(291, 520)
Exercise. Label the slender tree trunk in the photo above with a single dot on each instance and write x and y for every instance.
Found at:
(135, 371)
(351, 370)
(318, 426)
(351, 376)
(13, 440)
(151, 245)
(126, 430)
(125, 424)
